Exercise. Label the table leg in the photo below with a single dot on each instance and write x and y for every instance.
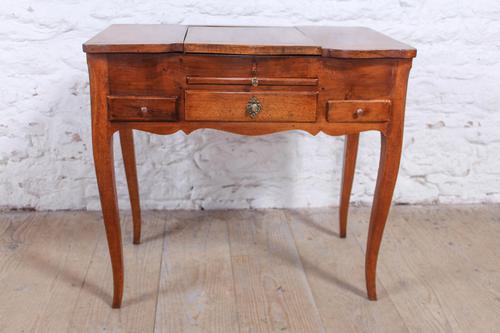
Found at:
(102, 145)
(350, 154)
(390, 155)
(104, 167)
(128, 153)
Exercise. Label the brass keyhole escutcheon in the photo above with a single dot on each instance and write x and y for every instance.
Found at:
(253, 107)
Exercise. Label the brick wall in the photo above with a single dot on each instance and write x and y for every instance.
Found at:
(452, 141)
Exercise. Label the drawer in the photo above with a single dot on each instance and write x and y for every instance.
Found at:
(275, 106)
(253, 81)
(135, 108)
(359, 111)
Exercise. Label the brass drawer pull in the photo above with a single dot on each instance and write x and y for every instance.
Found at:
(253, 107)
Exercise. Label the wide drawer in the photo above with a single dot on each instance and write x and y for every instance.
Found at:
(139, 108)
(253, 81)
(359, 111)
(275, 106)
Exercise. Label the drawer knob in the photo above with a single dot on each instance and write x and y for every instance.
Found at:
(358, 113)
(253, 107)
(144, 109)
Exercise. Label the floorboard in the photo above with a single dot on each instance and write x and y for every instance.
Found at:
(335, 270)
(272, 292)
(92, 311)
(196, 289)
(424, 265)
(253, 271)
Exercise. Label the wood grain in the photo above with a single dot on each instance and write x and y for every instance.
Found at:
(41, 247)
(231, 106)
(357, 42)
(102, 147)
(142, 38)
(65, 261)
(420, 309)
(348, 168)
(128, 154)
(136, 108)
(334, 270)
(196, 290)
(164, 75)
(327, 41)
(445, 272)
(249, 128)
(369, 111)
(249, 40)
(390, 156)
(463, 275)
(19, 237)
(151, 91)
(91, 311)
(55, 276)
(261, 81)
(272, 293)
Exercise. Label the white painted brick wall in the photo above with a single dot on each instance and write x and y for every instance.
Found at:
(452, 142)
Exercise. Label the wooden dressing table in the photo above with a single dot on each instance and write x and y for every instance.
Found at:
(251, 81)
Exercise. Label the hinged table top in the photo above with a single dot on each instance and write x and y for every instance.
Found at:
(338, 42)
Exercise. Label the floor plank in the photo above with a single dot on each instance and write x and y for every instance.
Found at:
(21, 285)
(253, 271)
(46, 271)
(272, 292)
(466, 267)
(426, 274)
(196, 291)
(335, 270)
(66, 263)
(92, 311)
(401, 265)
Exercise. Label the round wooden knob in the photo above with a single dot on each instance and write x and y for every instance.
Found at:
(358, 113)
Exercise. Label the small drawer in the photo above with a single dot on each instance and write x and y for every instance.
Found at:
(275, 106)
(139, 108)
(359, 111)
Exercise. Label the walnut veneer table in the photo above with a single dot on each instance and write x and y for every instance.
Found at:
(251, 81)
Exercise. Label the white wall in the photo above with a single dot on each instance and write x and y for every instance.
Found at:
(452, 143)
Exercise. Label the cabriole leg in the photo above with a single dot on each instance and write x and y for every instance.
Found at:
(390, 155)
(128, 153)
(350, 154)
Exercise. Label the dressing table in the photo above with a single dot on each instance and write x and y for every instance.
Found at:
(250, 81)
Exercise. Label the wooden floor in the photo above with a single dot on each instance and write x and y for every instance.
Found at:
(253, 271)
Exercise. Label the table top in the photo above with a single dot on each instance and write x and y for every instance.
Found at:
(338, 42)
